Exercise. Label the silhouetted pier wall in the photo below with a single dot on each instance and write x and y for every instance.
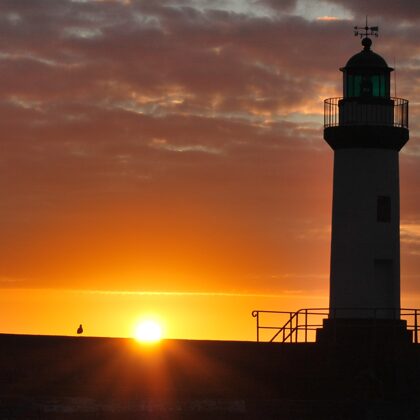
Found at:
(81, 377)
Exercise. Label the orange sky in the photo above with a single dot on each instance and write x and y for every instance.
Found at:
(165, 158)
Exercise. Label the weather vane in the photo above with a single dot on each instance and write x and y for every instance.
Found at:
(366, 31)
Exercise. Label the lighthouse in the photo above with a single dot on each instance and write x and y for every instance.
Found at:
(366, 128)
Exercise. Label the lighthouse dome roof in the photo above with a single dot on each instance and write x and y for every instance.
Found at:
(367, 58)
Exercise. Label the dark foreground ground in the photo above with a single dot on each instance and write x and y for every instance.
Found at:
(106, 378)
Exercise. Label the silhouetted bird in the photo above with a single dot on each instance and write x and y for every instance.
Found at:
(80, 329)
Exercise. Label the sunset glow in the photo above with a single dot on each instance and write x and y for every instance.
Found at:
(166, 157)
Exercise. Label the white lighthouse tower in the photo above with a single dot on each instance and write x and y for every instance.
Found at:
(366, 128)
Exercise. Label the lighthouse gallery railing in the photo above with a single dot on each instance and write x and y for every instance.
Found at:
(301, 326)
(391, 112)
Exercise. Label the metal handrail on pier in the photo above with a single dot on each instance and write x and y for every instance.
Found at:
(301, 326)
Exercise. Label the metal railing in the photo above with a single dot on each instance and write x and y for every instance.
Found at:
(391, 112)
(301, 326)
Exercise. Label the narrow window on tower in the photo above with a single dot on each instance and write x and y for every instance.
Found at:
(383, 209)
(375, 85)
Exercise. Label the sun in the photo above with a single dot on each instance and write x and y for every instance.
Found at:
(148, 331)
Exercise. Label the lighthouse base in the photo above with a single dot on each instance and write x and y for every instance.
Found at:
(358, 331)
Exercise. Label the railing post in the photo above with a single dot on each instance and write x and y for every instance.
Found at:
(416, 338)
(256, 314)
(258, 327)
(326, 113)
(291, 327)
(306, 325)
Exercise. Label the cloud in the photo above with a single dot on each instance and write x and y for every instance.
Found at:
(161, 142)
(284, 6)
(407, 10)
(328, 18)
(410, 236)
(10, 281)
